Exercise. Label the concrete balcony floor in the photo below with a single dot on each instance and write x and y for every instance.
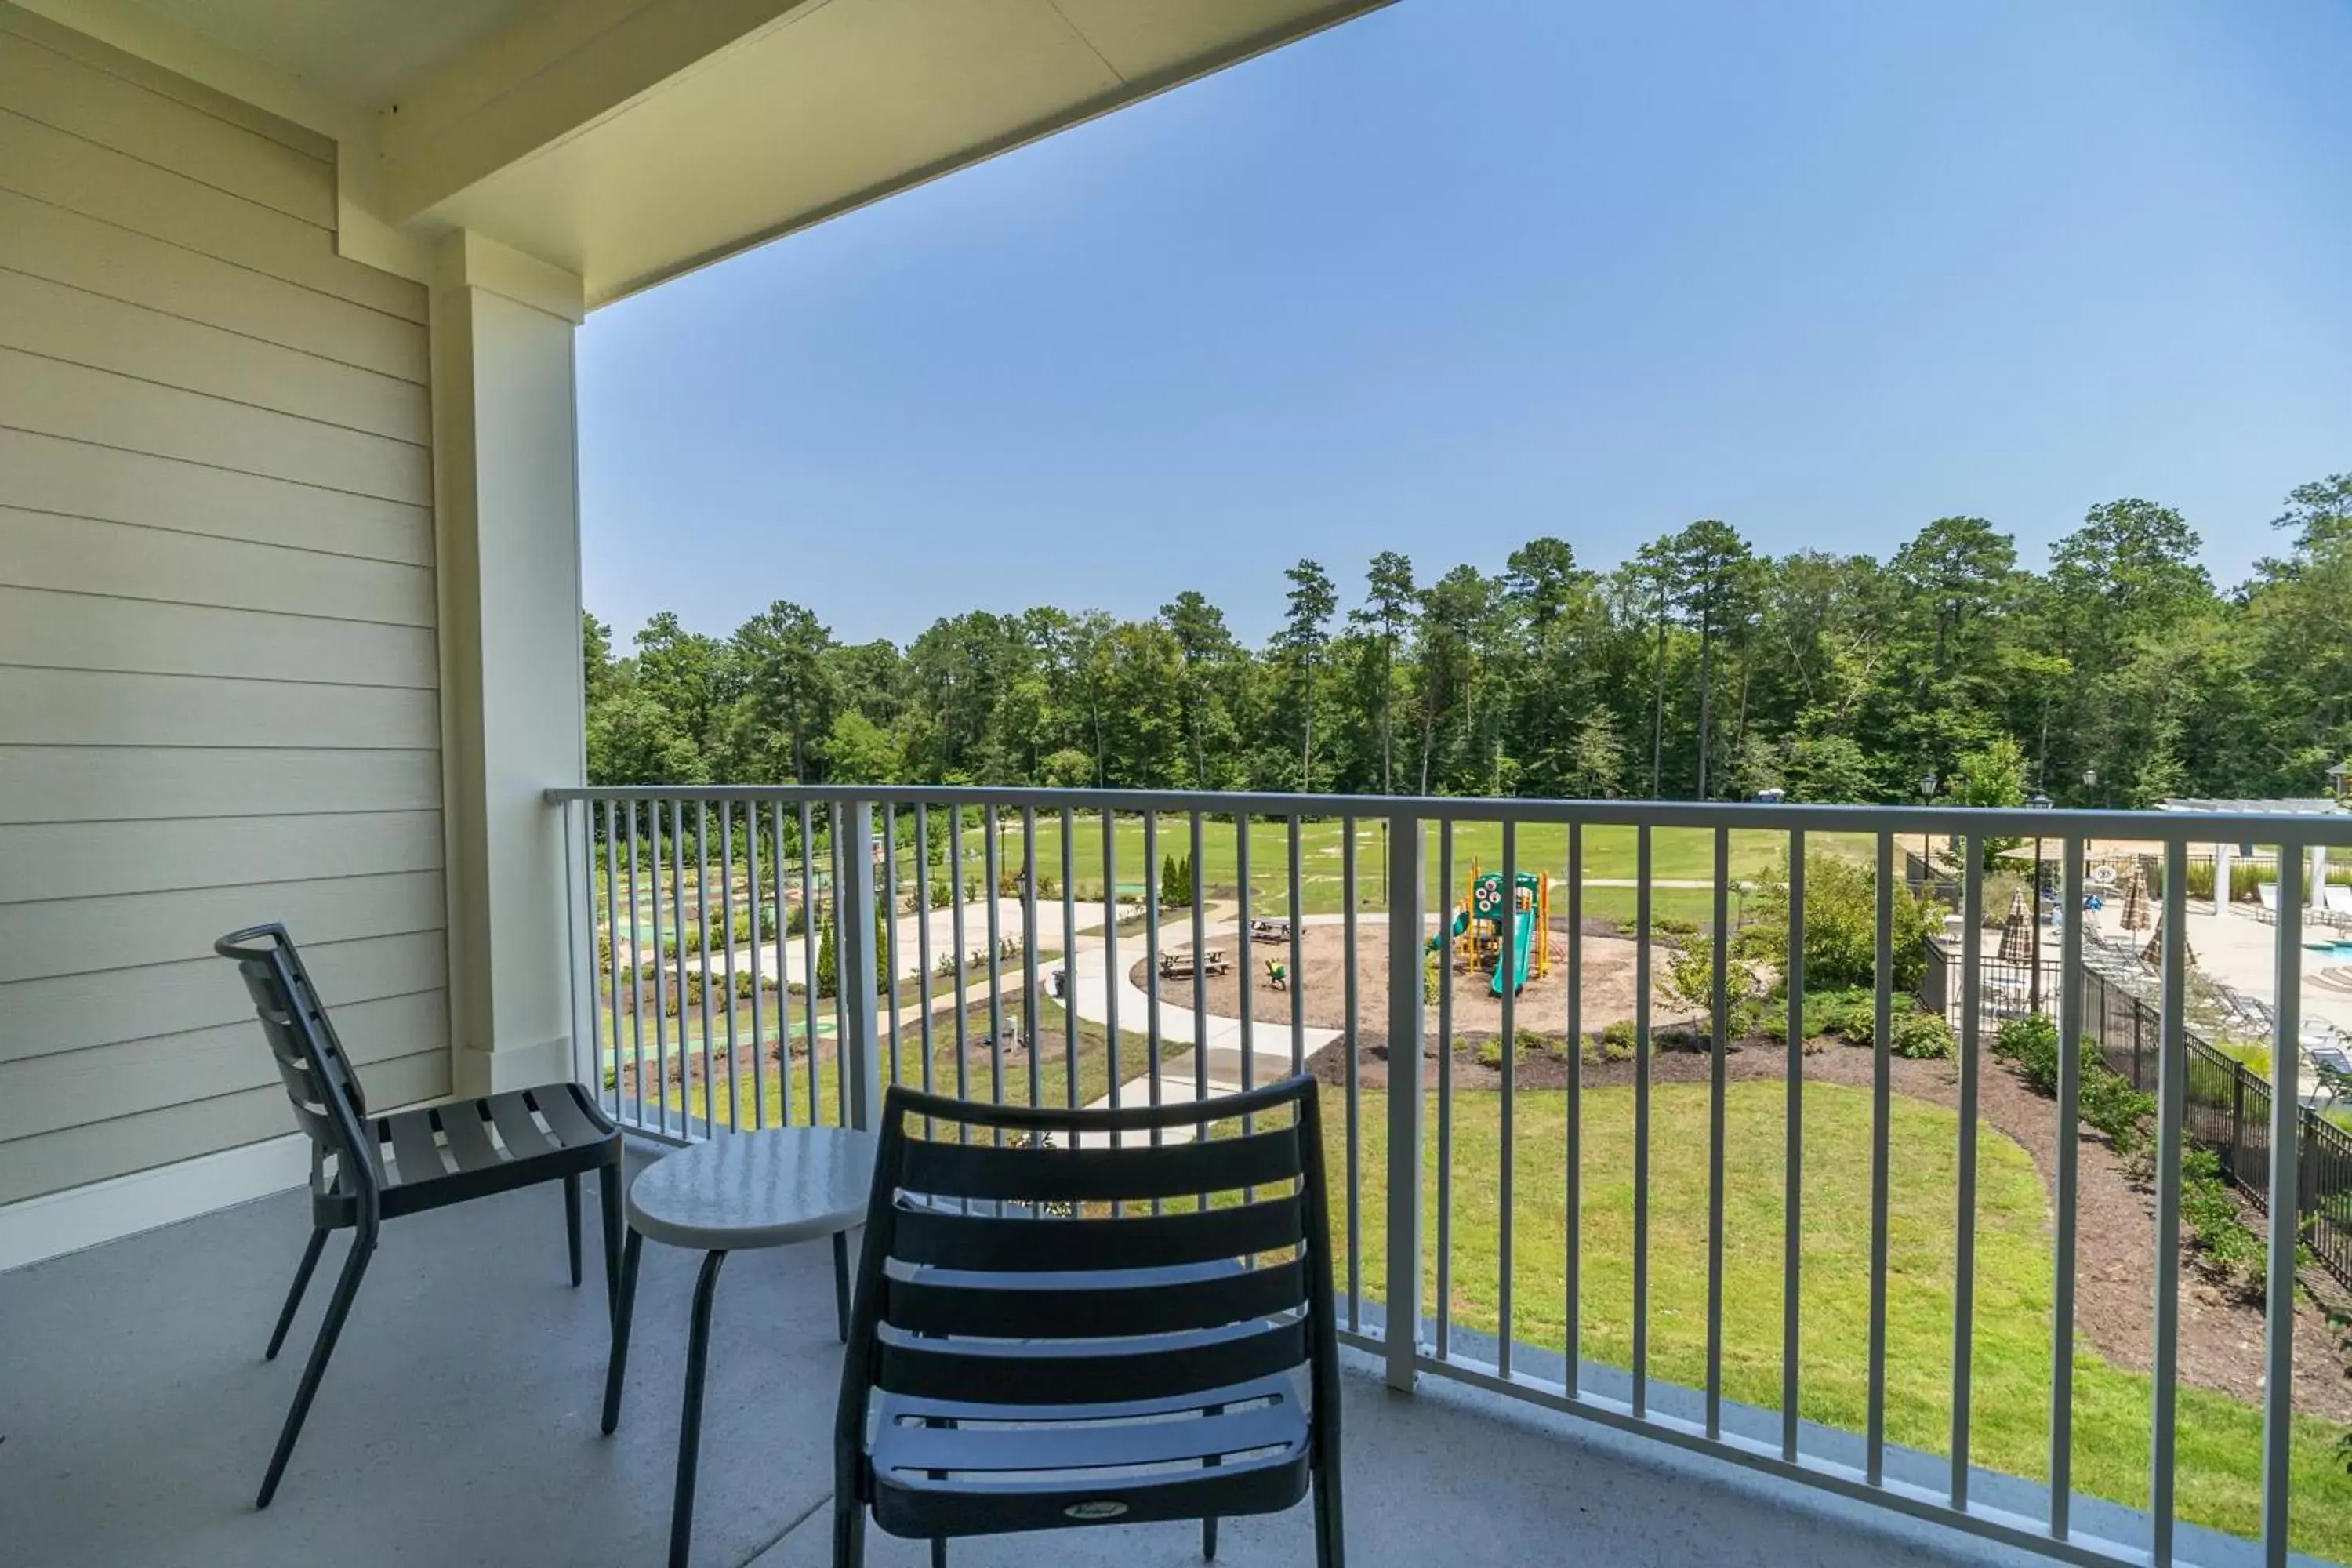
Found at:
(457, 1425)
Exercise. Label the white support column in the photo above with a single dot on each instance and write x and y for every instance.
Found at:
(507, 527)
(2221, 879)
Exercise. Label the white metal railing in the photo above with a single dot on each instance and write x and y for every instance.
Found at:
(755, 956)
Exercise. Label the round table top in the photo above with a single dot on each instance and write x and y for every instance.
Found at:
(768, 1188)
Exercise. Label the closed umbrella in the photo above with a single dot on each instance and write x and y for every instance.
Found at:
(2153, 953)
(2017, 931)
(2136, 914)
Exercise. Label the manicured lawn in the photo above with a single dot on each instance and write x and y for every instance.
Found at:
(2220, 1439)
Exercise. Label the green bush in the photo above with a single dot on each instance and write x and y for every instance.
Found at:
(1840, 926)
(1617, 1042)
(1921, 1036)
(2105, 1100)
(1175, 881)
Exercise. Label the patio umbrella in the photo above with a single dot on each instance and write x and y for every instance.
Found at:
(2136, 916)
(2017, 931)
(2153, 953)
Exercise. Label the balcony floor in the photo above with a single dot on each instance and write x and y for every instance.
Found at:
(457, 1425)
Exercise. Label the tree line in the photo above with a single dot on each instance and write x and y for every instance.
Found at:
(1698, 669)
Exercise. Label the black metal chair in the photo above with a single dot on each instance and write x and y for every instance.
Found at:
(364, 1171)
(1085, 1335)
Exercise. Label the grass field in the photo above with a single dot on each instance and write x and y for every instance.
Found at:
(2220, 1439)
(1611, 855)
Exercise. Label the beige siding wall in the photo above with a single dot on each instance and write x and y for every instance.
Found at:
(217, 670)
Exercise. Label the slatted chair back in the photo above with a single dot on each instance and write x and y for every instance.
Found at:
(1048, 1259)
(328, 1101)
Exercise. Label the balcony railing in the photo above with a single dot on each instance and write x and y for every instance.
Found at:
(1601, 1216)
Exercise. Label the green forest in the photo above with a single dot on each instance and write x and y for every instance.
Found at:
(2116, 674)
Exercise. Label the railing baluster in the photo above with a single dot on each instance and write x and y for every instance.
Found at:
(1445, 1088)
(992, 865)
(1572, 1340)
(2286, 1138)
(2171, 1098)
(1882, 1108)
(837, 858)
(1152, 967)
(1507, 975)
(2065, 1199)
(812, 938)
(1200, 976)
(1070, 957)
(1297, 979)
(923, 947)
(1792, 1161)
(1355, 1098)
(1033, 1033)
(1964, 1280)
(637, 976)
(752, 896)
(783, 974)
(963, 964)
(890, 956)
(702, 976)
(858, 1047)
(1246, 950)
(1110, 965)
(726, 918)
(1643, 859)
(613, 941)
(1401, 1330)
(678, 976)
(1719, 980)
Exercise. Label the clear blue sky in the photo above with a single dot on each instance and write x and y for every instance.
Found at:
(1465, 272)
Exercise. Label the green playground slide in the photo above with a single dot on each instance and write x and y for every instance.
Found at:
(1523, 936)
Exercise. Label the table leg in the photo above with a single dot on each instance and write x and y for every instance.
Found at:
(690, 1425)
(841, 1284)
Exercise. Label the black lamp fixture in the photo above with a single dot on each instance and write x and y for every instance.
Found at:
(1927, 782)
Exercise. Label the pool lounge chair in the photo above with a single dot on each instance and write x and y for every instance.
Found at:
(2266, 902)
(2333, 906)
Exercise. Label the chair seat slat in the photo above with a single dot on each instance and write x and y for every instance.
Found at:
(564, 1117)
(470, 1140)
(950, 1240)
(511, 1114)
(1277, 1386)
(1056, 1374)
(413, 1148)
(1063, 1446)
(926, 1305)
(1102, 1174)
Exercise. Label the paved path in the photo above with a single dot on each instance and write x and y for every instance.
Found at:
(1271, 1044)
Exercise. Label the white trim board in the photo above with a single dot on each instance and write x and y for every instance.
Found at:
(54, 1223)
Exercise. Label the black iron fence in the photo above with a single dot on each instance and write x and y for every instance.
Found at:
(2228, 1106)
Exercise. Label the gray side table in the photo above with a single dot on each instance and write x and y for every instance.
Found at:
(738, 1191)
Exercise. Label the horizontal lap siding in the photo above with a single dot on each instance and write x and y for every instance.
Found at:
(218, 670)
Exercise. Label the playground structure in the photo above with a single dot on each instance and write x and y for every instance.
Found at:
(1474, 939)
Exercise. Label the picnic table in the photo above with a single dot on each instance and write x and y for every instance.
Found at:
(1179, 965)
(1270, 930)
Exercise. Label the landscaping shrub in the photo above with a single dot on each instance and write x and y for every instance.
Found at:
(1175, 881)
(1617, 1042)
(1840, 926)
(1921, 1036)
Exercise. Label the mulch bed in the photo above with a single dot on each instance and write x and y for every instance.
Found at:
(2221, 1333)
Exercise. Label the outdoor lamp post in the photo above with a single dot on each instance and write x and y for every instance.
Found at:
(2339, 779)
(1926, 797)
(2038, 801)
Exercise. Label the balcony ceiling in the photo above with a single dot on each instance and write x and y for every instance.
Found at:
(627, 141)
(359, 52)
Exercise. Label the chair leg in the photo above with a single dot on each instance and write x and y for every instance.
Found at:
(608, 1198)
(689, 1421)
(572, 1224)
(1330, 1523)
(617, 1364)
(1209, 1539)
(848, 1533)
(939, 1553)
(331, 1329)
(841, 1284)
(302, 1272)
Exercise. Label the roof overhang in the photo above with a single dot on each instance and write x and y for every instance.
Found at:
(627, 140)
